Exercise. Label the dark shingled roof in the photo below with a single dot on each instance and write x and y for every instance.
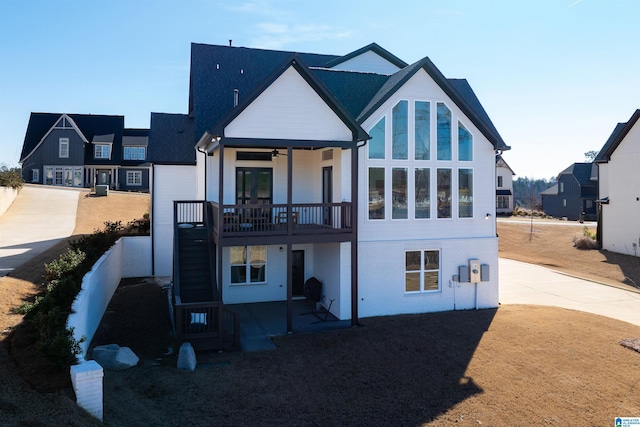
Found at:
(295, 61)
(90, 125)
(469, 96)
(616, 138)
(39, 124)
(216, 71)
(457, 89)
(551, 191)
(373, 47)
(581, 171)
(136, 132)
(353, 90)
(171, 139)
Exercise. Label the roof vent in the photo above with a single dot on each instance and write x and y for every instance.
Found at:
(235, 97)
(230, 42)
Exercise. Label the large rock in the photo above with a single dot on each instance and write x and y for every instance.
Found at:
(187, 357)
(114, 357)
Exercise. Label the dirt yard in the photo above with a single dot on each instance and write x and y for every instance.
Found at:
(516, 365)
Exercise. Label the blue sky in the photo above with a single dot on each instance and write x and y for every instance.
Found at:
(555, 76)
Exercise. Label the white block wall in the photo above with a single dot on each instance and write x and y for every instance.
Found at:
(86, 378)
(129, 257)
(7, 196)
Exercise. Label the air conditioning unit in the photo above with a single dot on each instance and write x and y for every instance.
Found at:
(102, 190)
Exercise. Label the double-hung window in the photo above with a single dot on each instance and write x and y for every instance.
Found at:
(134, 178)
(101, 151)
(63, 148)
(422, 271)
(35, 175)
(248, 264)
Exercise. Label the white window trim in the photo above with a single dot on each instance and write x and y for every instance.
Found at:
(473, 145)
(95, 151)
(63, 142)
(422, 271)
(248, 269)
(473, 204)
(131, 178)
(132, 149)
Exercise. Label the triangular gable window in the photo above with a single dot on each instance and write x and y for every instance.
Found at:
(63, 123)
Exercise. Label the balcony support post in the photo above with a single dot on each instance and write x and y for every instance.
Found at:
(354, 236)
(220, 244)
(289, 232)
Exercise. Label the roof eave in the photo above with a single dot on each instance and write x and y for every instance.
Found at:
(358, 133)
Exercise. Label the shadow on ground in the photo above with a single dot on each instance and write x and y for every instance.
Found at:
(629, 265)
(400, 370)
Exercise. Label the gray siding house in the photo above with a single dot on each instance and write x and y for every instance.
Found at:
(83, 150)
(575, 194)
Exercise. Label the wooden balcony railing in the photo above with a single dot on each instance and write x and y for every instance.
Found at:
(273, 219)
(207, 325)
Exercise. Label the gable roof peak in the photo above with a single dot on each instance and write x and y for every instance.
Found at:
(619, 133)
(458, 90)
(372, 47)
(296, 62)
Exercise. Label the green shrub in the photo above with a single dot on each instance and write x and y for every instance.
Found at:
(96, 244)
(63, 280)
(11, 177)
(140, 227)
(63, 265)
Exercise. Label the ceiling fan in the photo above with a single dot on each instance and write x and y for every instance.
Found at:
(276, 153)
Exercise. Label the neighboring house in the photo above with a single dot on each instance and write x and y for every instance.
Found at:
(504, 187)
(574, 196)
(83, 150)
(374, 176)
(619, 183)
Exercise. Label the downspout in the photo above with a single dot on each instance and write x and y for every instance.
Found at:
(289, 246)
(152, 219)
(354, 236)
(205, 171)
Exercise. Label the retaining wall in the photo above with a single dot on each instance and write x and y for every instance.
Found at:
(129, 257)
(7, 196)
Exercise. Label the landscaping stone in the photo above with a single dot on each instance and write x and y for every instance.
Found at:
(114, 357)
(187, 357)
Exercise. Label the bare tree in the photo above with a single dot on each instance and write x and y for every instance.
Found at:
(590, 156)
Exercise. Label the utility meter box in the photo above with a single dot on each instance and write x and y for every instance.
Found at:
(463, 274)
(474, 271)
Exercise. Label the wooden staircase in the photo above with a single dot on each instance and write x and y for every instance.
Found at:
(199, 314)
(196, 283)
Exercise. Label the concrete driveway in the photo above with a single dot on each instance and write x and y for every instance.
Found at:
(522, 283)
(39, 218)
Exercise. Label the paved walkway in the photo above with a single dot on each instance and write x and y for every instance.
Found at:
(522, 283)
(39, 218)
